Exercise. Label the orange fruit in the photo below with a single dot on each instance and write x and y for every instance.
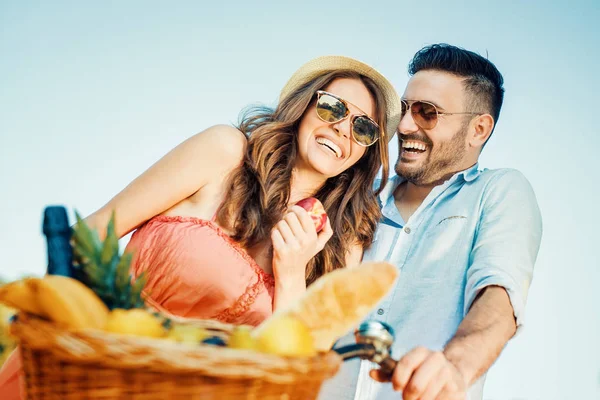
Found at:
(286, 336)
(137, 322)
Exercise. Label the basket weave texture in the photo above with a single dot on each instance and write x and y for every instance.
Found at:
(88, 364)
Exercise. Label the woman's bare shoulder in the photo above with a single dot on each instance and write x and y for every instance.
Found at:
(225, 141)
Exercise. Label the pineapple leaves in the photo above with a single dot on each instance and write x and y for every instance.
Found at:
(136, 290)
(86, 239)
(122, 275)
(110, 250)
(100, 266)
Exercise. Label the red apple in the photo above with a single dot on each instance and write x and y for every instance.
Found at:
(315, 210)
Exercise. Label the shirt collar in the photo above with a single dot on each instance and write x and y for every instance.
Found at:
(470, 174)
(467, 175)
(388, 190)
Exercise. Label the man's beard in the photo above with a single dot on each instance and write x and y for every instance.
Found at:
(446, 158)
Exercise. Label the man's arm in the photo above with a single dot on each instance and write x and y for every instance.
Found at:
(482, 335)
(427, 374)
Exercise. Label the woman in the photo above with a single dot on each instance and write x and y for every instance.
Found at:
(216, 227)
(218, 234)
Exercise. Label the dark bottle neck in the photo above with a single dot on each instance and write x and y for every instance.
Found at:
(57, 230)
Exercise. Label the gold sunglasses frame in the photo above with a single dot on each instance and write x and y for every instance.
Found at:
(437, 112)
(354, 117)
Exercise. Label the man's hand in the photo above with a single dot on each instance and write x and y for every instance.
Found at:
(423, 374)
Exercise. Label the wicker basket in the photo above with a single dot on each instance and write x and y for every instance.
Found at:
(63, 365)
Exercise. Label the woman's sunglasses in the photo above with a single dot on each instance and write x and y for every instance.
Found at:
(426, 114)
(332, 109)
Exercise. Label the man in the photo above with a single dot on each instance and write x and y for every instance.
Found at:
(465, 240)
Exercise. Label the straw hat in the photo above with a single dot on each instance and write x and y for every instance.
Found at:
(325, 64)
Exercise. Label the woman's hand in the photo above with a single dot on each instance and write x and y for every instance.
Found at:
(295, 243)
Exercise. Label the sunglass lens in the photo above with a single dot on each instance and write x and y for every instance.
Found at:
(425, 114)
(330, 109)
(365, 131)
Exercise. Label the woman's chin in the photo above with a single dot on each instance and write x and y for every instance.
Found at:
(326, 168)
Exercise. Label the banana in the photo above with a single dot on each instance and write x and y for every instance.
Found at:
(20, 296)
(69, 302)
(60, 299)
(93, 309)
(58, 304)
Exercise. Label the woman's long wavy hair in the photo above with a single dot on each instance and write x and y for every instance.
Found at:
(259, 189)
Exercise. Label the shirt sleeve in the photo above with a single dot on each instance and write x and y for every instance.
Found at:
(506, 242)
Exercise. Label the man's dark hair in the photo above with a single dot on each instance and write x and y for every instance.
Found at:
(483, 82)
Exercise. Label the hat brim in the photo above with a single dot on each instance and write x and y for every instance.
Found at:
(321, 65)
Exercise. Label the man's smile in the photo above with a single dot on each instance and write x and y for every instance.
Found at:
(412, 149)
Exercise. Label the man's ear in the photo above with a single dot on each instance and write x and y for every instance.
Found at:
(482, 127)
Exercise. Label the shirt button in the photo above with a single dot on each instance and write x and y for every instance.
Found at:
(380, 311)
(407, 229)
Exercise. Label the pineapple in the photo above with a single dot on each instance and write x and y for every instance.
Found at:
(100, 267)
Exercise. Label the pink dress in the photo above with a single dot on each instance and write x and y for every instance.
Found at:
(193, 270)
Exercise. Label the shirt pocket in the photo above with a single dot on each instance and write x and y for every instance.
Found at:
(446, 226)
(445, 242)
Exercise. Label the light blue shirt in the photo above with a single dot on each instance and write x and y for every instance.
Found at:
(479, 228)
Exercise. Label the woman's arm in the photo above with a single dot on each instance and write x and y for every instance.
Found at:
(295, 242)
(205, 157)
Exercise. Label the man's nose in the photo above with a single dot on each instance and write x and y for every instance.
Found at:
(407, 124)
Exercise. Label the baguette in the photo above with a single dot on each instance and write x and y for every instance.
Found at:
(339, 301)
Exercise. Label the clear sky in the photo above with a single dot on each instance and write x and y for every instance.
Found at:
(92, 93)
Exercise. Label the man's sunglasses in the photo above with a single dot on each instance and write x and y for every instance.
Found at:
(426, 114)
(332, 109)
